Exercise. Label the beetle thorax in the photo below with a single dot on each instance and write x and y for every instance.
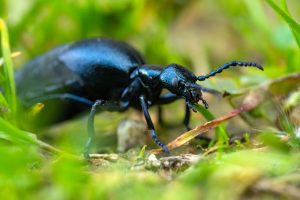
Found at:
(148, 76)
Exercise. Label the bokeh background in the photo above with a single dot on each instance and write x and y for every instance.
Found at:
(198, 34)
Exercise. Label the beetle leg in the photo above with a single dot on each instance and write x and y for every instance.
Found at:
(187, 117)
(160, 116)
(129, 92)
(108, 105)
(164, 99)
(144, 106)
(64, 96)
(211, 91)
(91, 128)
(167, 98)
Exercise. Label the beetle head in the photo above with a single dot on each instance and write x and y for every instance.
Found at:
(182, 82)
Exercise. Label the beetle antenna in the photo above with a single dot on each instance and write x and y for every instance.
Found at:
(230, 64)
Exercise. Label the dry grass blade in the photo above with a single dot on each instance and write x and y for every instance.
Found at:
(187, 136)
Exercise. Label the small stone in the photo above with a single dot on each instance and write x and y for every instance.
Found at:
(152, 157)
(131, 133)
(153, 161)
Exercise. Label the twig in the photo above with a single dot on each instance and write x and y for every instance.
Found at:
(49, 148)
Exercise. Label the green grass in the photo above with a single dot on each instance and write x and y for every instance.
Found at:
(7, 75)
(284, 13)
(192, 33)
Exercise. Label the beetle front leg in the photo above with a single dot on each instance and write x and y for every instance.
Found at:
(168, 98)
(187, 117)
(129, 92)
(144, 106)
(160, 116)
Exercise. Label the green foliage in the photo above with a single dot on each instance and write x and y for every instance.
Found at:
(221, 131)
(7, 74)
(234, 172)
(284, 13)
(189, 32)
(15, 135)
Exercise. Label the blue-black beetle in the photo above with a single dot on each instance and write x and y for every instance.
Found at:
(111, 75)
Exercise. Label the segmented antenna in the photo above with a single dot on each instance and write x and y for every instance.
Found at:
(231, 64)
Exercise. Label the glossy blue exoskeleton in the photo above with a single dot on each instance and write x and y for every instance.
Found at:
(107, 74)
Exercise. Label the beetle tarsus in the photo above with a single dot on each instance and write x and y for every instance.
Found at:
(144, 106)
(158, 142)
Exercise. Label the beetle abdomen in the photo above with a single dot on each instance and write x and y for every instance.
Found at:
(92, 69)
(44, 75)
(102, 64)
(94, 65)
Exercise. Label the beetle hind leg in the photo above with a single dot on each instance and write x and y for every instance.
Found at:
(62, 96)
(105, 105)
(91, 128)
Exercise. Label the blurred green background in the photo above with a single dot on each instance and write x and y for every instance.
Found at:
(193, 33)
(199, 35)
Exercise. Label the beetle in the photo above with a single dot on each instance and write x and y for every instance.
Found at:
(110, 75)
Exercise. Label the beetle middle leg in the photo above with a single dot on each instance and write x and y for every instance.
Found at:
(187, 117)
(168, 98)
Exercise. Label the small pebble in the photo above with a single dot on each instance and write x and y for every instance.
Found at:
(131, 133)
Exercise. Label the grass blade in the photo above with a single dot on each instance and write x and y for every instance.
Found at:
(7, 70)
(294, 26)
(3, 105)
(16, 135)
(220, 130)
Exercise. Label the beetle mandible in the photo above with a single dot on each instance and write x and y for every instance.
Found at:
(111, 75)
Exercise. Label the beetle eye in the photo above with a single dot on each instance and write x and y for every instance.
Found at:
(175, 82)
